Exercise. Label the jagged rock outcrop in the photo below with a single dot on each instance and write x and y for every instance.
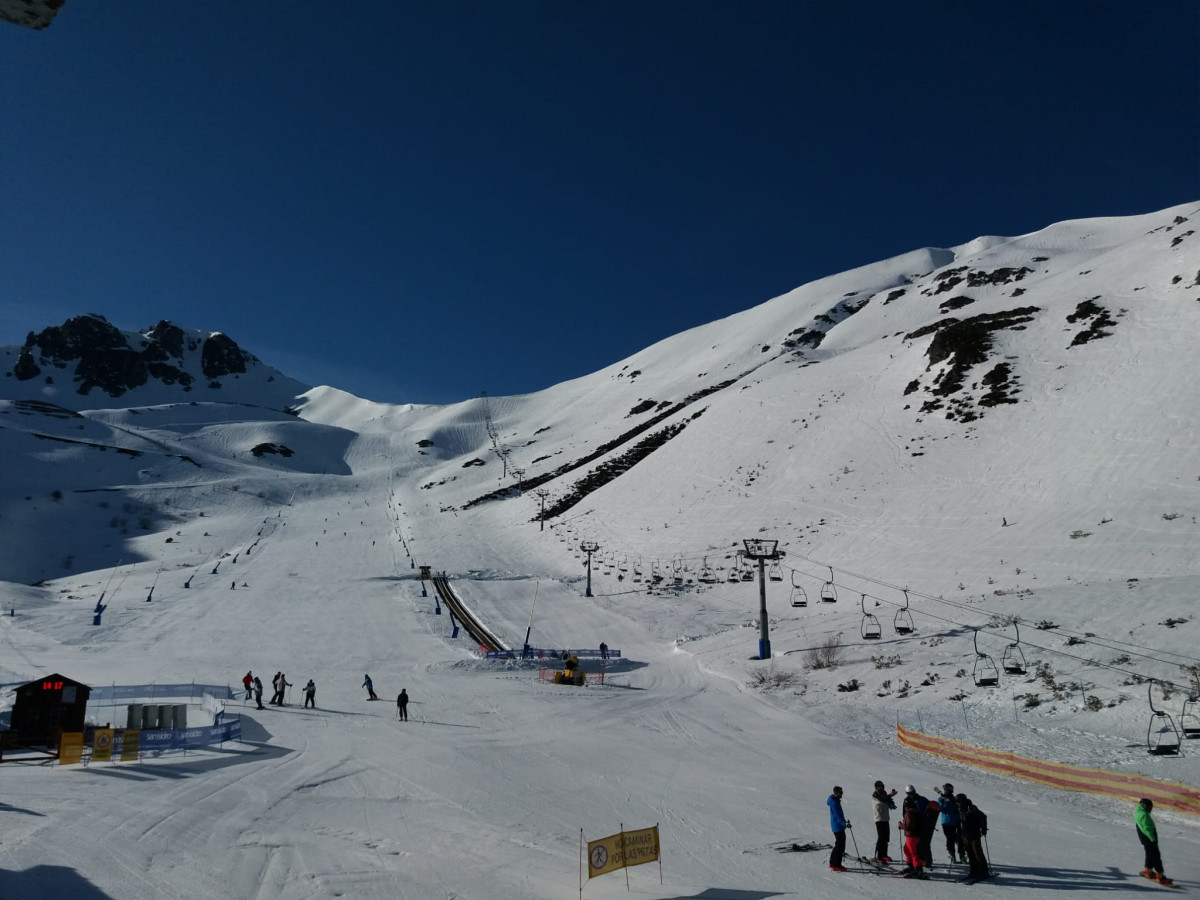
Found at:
(105, 357)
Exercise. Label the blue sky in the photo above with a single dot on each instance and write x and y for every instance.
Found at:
(417, 202)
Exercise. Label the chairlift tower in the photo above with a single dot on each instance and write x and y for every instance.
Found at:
(589, 547)
(542, 494)
(764, 552)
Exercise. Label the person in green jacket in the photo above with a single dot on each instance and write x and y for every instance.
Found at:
(1148, 835)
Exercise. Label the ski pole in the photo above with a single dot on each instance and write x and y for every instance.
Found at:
(856, 853)
(987, 855)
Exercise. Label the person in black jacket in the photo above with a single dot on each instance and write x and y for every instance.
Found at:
(402, 705)
(972, 828)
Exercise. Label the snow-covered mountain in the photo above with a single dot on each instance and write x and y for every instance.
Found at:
(1001, 429)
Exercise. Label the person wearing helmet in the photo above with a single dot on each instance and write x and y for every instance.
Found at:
(1148, 835)
(950, 824)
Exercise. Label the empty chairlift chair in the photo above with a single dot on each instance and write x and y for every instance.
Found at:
(775, 572)
(985, 672)
(1013, 660)
(1189, 722)
(869, 629)
(828, 591)
(903, 623)
(799, 598)
(707, 575)
(1162, 736)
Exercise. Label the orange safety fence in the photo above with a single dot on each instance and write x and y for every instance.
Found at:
(1127, 786)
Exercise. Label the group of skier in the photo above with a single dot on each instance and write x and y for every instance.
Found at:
(964, 826)
(280, 684)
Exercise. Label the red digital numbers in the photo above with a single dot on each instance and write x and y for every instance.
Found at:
(52, 685)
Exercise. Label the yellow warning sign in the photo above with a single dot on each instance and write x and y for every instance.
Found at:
(102, 744)
(129, 744)
(70, 749)
(618, 851)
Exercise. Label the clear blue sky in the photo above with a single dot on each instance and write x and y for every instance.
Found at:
(419, 201)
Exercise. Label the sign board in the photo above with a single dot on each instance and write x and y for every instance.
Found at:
(618, 851)
(129, 744)
(70, 748)
(102, 745)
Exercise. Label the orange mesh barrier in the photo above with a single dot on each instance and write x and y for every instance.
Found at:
(1124, 785)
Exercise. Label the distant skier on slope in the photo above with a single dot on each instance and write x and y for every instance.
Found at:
(258, 689)
(310, 695)
(838, 824)
(402, 705)
(370, 687)
(248, 682)
(1148, 835)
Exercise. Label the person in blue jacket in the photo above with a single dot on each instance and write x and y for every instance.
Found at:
(950, 822)
(837, 822)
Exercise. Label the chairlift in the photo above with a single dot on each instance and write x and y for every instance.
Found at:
(733, 575)
(828, 591)
(1013, 660)
(637, 572)
(984, 672)
(775, 573)
(903, 623)
(677, 572)
(1189, 721)
(655, 575)
(707, 575)
(799, 598)
(1165, 740)
(869, 629)
(624, 564)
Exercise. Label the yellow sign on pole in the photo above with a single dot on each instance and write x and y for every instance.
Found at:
(129, 744)
(70, 748)
(621, 850)
(102, 745)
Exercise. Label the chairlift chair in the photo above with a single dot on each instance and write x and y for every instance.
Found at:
(1165, 740)
(1013, 660)
(828, 591)
(677, 572)
(984, 672)
(733, 575)
(869, 629)
(655, 575)
(799, 598)
(903, 623)
(1189, 721)
(707, 575)
(775, 573)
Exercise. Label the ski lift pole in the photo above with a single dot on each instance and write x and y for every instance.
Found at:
(762, 550)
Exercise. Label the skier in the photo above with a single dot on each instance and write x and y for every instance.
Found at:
(912, 824)
(276, 690)
(838, 823)
(881, 802)
(402, 705)
(1148, 835)
(923, 834)
(370, 687)
(284, 684)
(248, 682)
(258, 689)
(950, 822)
(973, 827)
(310, 695)
(603, 650)
(933, 812)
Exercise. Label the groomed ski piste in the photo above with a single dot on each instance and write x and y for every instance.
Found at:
(485, 791)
